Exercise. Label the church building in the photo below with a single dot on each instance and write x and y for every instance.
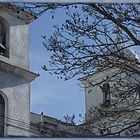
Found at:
(112, 97)
(102, 88)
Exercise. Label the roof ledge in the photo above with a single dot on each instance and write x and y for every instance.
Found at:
(15, 11)
(26, 75)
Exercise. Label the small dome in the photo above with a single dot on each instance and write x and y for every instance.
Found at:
(127, 52)
(130, 53)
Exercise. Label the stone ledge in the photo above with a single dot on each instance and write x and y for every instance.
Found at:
(17, 71)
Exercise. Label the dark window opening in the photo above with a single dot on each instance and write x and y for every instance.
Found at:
(138, 91)
(2, 39)
(106, 93)
(2, 115)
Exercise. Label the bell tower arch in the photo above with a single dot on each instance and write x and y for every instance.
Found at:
(2, 115)
(4, 37)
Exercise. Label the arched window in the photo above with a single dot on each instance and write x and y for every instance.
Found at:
(2, 115)
(106, 92)
(3, 37)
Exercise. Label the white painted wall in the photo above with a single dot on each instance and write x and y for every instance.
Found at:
(93, 94)
(16, 90)
(17, 42)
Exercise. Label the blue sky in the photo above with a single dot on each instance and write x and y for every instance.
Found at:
(50, 95)
(54, 97)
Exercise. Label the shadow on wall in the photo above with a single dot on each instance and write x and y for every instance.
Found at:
(8, 80)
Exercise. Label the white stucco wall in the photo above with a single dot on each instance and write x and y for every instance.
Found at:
(17, 42)
(15, 89)
(93, 94)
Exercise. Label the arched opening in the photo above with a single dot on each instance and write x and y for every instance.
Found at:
(2, 115)
(106, 92)
(4, 33)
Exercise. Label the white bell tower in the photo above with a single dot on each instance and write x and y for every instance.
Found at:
(99, 88)
(15, 76)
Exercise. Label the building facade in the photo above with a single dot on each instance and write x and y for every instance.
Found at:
(112, 99)
(46, 126)
(107, 85)
(14, 71)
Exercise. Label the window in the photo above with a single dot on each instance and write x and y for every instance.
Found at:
(2, 115)
(106, 93)
(138, 91)
(2, 39)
